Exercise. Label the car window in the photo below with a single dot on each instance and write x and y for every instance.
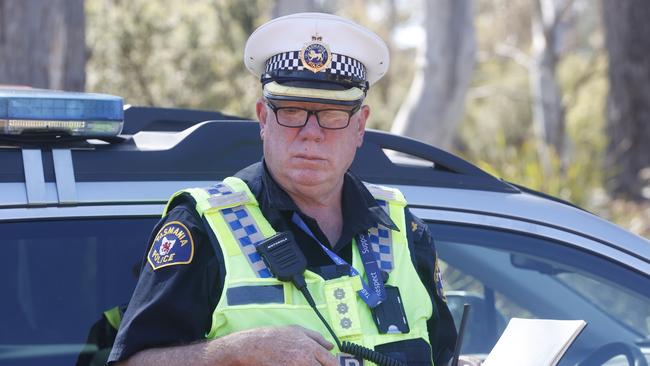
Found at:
(58, 277)
(626, 306)
(504, 275)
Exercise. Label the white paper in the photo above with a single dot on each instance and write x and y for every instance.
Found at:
(534, 342)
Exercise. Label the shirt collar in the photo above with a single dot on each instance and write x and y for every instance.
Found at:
(357, 200)
(360, 209)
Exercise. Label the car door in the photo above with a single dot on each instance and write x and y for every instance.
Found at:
(511, 268)
(62, 268)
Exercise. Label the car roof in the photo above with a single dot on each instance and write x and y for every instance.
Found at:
(163, 150)
(174, 145)
(166, 143)
(530, 209)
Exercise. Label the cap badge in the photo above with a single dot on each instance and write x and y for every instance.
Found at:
(315, 55)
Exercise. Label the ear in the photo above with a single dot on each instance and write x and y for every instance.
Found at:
(262, 113)
(362, 117)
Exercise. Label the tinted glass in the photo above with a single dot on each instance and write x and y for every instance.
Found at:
(58, 277)
(504, 275)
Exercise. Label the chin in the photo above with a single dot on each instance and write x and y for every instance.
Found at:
(308, 178)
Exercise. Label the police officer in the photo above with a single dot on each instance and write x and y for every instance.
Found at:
(206, 297)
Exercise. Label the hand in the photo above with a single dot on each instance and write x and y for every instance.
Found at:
(290, 345)
(468, 361)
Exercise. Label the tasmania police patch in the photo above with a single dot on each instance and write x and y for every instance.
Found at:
(172, 245)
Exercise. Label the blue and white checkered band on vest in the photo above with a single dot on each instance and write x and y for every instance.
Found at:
(241, 224)
(380, 238)
(246, 231)
(340, 64)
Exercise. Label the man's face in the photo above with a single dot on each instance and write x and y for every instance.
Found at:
(309, 157)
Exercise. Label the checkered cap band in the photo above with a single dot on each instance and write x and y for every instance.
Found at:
(244, 229)
(382, 242)
(340, 64)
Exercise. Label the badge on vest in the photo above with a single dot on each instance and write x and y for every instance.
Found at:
(349, 360)
(172, 245)
(389, 316)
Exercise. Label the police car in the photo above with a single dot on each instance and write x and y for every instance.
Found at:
(84, 179)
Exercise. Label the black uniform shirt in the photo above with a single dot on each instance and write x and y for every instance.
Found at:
(174, 305)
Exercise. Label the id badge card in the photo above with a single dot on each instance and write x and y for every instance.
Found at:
(389, 316)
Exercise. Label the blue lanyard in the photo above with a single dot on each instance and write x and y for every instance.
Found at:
(371, 295)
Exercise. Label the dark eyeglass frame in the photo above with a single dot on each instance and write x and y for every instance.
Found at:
(350, 112)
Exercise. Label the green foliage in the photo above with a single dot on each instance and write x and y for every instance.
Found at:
(174, 54)
(497, 135)
(190, 54)
(497, 131)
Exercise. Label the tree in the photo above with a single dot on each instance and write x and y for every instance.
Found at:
(548, 108)
(436, 100)
(42, 43)
(549, 20)
(627, 38)
(174, 54)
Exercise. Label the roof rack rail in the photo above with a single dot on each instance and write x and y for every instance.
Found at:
(447, 170)
(213, 150)
(237, 139)
(138, 119)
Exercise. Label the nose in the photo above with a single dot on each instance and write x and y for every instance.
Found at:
(312, 130)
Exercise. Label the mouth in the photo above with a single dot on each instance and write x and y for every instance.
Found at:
(308, 157)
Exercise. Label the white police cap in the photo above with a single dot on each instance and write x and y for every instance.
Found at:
(316, 57)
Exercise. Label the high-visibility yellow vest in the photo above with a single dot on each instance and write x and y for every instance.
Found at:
(251, 298)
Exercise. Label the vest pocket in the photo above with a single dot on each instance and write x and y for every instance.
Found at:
(245, 295)
(411, 351)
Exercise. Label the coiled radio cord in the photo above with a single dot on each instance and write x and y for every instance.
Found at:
(346, 347)
(284, 259)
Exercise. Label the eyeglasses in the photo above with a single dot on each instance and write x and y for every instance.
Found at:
(296, 117)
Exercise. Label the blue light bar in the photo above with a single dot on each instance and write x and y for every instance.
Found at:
(38, 104)
(52, 113)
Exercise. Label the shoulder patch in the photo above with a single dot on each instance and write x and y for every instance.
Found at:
(438, 280)
(172, 245)
(418, 228)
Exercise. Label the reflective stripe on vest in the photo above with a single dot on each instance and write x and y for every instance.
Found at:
(380, 238)
(250, 299)
(234, 207)
(240, 222)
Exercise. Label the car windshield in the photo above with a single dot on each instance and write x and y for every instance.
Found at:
(58, 278)
(505, 275)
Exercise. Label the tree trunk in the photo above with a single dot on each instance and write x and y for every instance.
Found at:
(548, 109)
(627, 38)
(435, 102)
(42, 44)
